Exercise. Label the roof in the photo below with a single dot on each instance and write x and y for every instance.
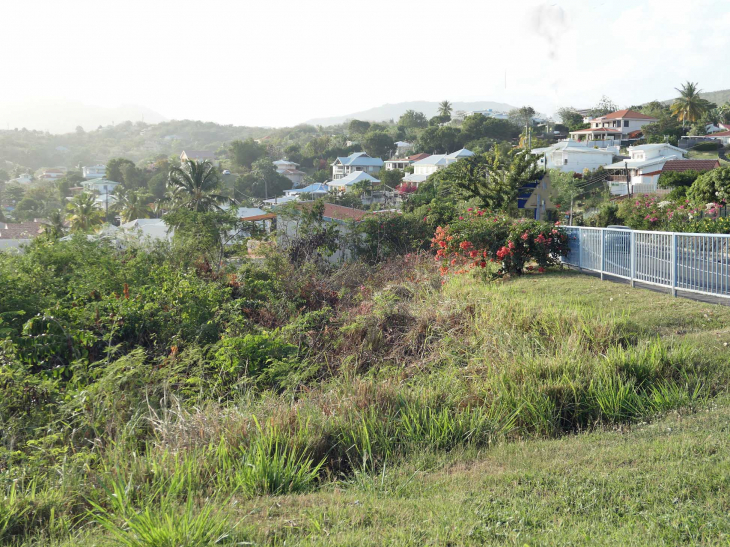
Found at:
(265, 216)
(635, 134)
(690, 165)
(657, 146)
(719, 134)
(418, 157)
(463, 153)
(20, 230)
(353, 178)
(284, 162)
(403, 143)
(415, 178)
(360, 159)
(198, 154)
(435, 159)
(626, 113)
(340, 212)
(246, 212)
(570, 146)
(315, 188)
(638, 164)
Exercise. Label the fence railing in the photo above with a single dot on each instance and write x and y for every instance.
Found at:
(697, 263)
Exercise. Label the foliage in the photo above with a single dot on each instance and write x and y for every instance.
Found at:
(570, 118)
(245, 153)
(711, 186)
(133, 205)
(194, 186)
(378, 144)
(358, 127)
(84, 215)
(476, 127)
(676, 179)
(412, 120)
(495, 178)
(263, 181)
(114, 169)
(479, 237)
(604, 106)
(439, 139)
(689, 106)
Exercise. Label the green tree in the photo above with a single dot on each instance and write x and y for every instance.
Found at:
(571, 119)
(523, 116)
(439, 140)
(114, 168)
(263, 181)
(245, 153)
(14, 193)
(358, 126)
(194, 186)
(378, 144)
(4, 176)
(132, 177)
(445, 109)
(55, 227)
(495, 178)
(604, 106)
(83, 213)
(391, 177)
(132, 205)
(412, 119)
(689, 106)
(710, 187)
(28, 209)
(476, 127)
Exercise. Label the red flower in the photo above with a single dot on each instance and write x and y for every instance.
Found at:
(541, 269)
(483, 264)
(525, 236)
(474, 254)
(465, 245)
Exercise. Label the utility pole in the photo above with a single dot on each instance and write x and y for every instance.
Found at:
(628, 185)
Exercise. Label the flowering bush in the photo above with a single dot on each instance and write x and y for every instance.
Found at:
(647, 212)
(478, 237)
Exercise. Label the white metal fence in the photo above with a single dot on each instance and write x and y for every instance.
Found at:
(697, 263)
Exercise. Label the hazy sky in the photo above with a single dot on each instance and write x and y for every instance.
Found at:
(276, 62)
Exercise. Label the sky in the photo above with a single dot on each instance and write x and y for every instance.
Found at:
(279, 63)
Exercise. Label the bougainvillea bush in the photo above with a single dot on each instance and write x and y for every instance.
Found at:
(648, 212)
(477, 238)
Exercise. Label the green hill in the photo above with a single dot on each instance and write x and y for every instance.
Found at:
(717, 97)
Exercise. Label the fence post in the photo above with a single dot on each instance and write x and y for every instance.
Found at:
(603, 242)
(580, 248)
(674, 264)
(632, 250)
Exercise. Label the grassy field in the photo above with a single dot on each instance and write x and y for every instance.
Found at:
(550, 409)
(704, 155)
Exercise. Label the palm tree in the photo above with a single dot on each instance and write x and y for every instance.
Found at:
(84, 214)
(445, 108)
(55, 227)
(193, 186)
(132, 206)
(689, 106)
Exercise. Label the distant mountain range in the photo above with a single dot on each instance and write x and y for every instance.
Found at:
(717, 97)
(395, 111)
(65, 116)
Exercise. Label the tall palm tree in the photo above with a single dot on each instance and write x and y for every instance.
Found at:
(55, 227)
(83, 213)
(689, 106)
(445, 108)
(131, 206)
(193, 186)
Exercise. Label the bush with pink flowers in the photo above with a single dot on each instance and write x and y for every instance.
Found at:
(479, 237)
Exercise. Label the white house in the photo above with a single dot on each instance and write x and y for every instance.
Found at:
(722, 136)
(622, 125)
(573, 156)
(426, 167)
(357, 161)
(23, 179)
(345, 184)
(402, 163)
(93, 171)
(100, 185)
(489, 113)
(289, 170)
(54, 173)
(643, 168)
(152, 229)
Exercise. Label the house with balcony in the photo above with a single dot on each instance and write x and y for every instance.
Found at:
(355, 162)
(572, 156)
(93, 171)
(426, 167)
(402, 163)
(640, 173)
(623, 126)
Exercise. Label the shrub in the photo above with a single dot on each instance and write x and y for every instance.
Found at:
(711, 186)
(709, 146)
(478, 237)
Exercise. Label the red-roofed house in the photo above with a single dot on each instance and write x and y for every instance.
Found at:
(723, 136)
(624, 123)
(14, 235)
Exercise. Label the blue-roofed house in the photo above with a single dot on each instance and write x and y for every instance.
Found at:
(357, 161)
(316, 190)
(346, 184)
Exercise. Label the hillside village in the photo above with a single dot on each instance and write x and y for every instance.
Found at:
(611, 153)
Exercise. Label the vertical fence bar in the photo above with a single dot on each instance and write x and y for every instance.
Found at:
(602, 233)
(632, 250)
(674, 265)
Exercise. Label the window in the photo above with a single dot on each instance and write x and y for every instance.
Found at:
(626, 123)
(565, 161)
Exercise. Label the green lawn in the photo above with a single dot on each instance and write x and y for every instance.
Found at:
(704, 155)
